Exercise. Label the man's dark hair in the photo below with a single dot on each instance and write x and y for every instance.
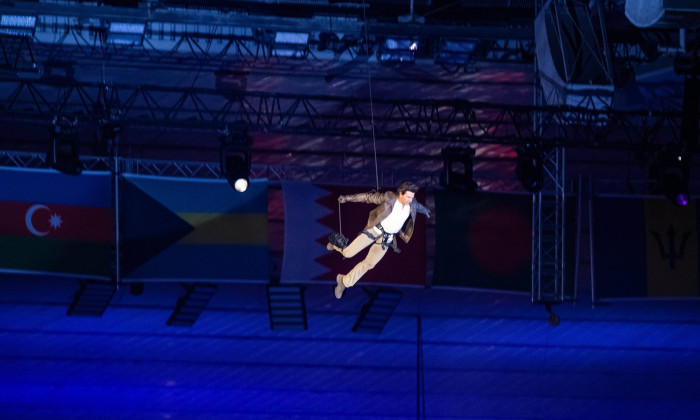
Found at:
(408, 186)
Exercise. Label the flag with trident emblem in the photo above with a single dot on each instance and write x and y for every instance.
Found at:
(645, 247)
(672, 249)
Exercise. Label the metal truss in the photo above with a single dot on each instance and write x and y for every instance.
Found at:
(17, 54)
(176, 36)
(338, 20)
(630, 53)
(421, 120)
(193, 169)
(515, 50)
(578, 69)
(22, 159)
(548, 209)
(548, 224)
(208, 39)
(208, 49)
(203, 54)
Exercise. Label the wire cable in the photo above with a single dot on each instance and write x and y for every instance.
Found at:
(371, 102)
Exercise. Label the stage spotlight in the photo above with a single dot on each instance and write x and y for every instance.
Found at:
(394, 50)
(291, 44)
(240, 185)
(675, 188)
(671, 171)
(529, 168)
(453, 51)
(17, 25)
(457, 169)
(125, 33)
(63, 151)
(235, 165)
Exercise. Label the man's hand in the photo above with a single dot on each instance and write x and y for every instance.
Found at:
(342, 199)
(428, 214)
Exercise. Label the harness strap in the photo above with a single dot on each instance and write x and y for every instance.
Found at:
(385, 238)
(372, 237)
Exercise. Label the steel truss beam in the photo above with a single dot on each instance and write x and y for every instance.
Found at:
(548, 210)
(420, 120)
(548, 224)
(17, 54)
(180, 50)
(203, 54)
(208, 36)
(204, 47)
(204, 38)
(192, 169)
(82, 12)
(505, 50)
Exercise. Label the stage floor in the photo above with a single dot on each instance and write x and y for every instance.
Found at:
(482, 356)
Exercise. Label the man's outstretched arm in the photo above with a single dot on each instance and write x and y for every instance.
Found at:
(370, 197)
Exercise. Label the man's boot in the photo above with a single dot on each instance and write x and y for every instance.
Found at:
(340, 287)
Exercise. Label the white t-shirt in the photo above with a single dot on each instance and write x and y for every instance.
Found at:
(395, 220)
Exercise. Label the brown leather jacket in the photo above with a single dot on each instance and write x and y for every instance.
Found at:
(385, 203)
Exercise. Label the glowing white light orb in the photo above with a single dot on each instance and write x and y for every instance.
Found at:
(240, 185)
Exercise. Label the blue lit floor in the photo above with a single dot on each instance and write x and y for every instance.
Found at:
(485, 356)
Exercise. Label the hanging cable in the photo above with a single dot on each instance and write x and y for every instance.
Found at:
(371, 103)
(371, 110)
(340, 220)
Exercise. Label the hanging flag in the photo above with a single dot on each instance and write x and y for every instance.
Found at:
(672, 249)
(311, 213)
(194, 229)
(304, 231)
(56, 223)
(645, 247)
(483, 240)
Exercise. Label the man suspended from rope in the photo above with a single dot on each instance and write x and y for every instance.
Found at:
(395, 214)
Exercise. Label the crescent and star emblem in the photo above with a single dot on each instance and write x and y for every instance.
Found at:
(54, 220)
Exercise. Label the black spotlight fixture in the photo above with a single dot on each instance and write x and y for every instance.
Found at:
(63, 152)
(457, 169)
(236, 160)
(671, 172)
(529, 168)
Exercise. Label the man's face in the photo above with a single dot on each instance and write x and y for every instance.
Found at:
(406, 198)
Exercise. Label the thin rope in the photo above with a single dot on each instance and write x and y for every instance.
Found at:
(340, 220)
(371, 102)
(371, 110)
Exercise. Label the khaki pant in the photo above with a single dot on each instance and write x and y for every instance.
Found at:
(374, 255)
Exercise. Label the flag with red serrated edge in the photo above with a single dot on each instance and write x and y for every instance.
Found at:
(312, 212)
(56, 223)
